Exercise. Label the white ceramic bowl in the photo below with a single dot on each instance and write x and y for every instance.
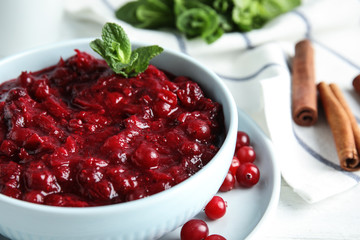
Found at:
(147, 218)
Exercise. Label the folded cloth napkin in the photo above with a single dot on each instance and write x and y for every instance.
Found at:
(255, 67)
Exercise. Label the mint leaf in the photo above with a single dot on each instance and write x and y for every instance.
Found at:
(115, 48)
(99, 47)
(117, 42)
(144, 56)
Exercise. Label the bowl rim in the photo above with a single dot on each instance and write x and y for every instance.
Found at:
(105, 209)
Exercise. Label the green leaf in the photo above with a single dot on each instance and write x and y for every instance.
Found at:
(115, 48)
(253, 14)
(222, 6)
(145, 54)
(117, 41)
(207, 19)
(197, 20)
(184, 5)
(273, 8)
(243, 4)
(214, 36)
(98, 46)
(126, 70)
(245, 15)
(148, 13)
(127, 13)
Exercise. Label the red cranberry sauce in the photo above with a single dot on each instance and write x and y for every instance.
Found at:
(76, 134)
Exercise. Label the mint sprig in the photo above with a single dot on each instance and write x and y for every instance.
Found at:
(115, 48)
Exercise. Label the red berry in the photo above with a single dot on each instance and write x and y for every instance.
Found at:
(40, 179)
(216, 208)
(113, 99)
(246, 154)
(194, 229)
(168, 96)
(11, 189)
(242, 139)
(248, 174)
(103, 190)
(64, 200)
(189, 93)
(136, 194)
(228, 184)
(163, 109)
(34, 197)
(146, 156)
(199, 129)
(235, 163)
(215, 237)
(9, 148)
(190, 148)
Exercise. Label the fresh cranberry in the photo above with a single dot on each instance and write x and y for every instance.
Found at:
(248, 174)
(228, 184)
(242, 139)
(215, 237)
(235, 163)
(216, 208)
(246, 154)
(195, 229)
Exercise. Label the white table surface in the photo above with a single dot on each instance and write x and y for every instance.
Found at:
(331, 219)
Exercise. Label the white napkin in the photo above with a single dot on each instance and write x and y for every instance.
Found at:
(254, 65)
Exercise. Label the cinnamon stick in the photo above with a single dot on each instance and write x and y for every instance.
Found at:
(341, 128)
(304, 98)
(356, 83)
(354, 125)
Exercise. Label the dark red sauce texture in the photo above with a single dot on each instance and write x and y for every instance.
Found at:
(76, 134)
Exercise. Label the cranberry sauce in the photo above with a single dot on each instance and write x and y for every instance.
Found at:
(76, 134)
